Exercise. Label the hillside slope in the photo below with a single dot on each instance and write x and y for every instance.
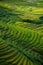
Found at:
(21, 33)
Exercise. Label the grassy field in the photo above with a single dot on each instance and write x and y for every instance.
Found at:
(21, 32)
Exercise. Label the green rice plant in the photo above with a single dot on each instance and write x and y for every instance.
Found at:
(21, 43)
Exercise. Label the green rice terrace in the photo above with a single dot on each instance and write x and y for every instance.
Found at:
(21, 32)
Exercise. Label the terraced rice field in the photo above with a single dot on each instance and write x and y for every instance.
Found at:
(21, 32)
